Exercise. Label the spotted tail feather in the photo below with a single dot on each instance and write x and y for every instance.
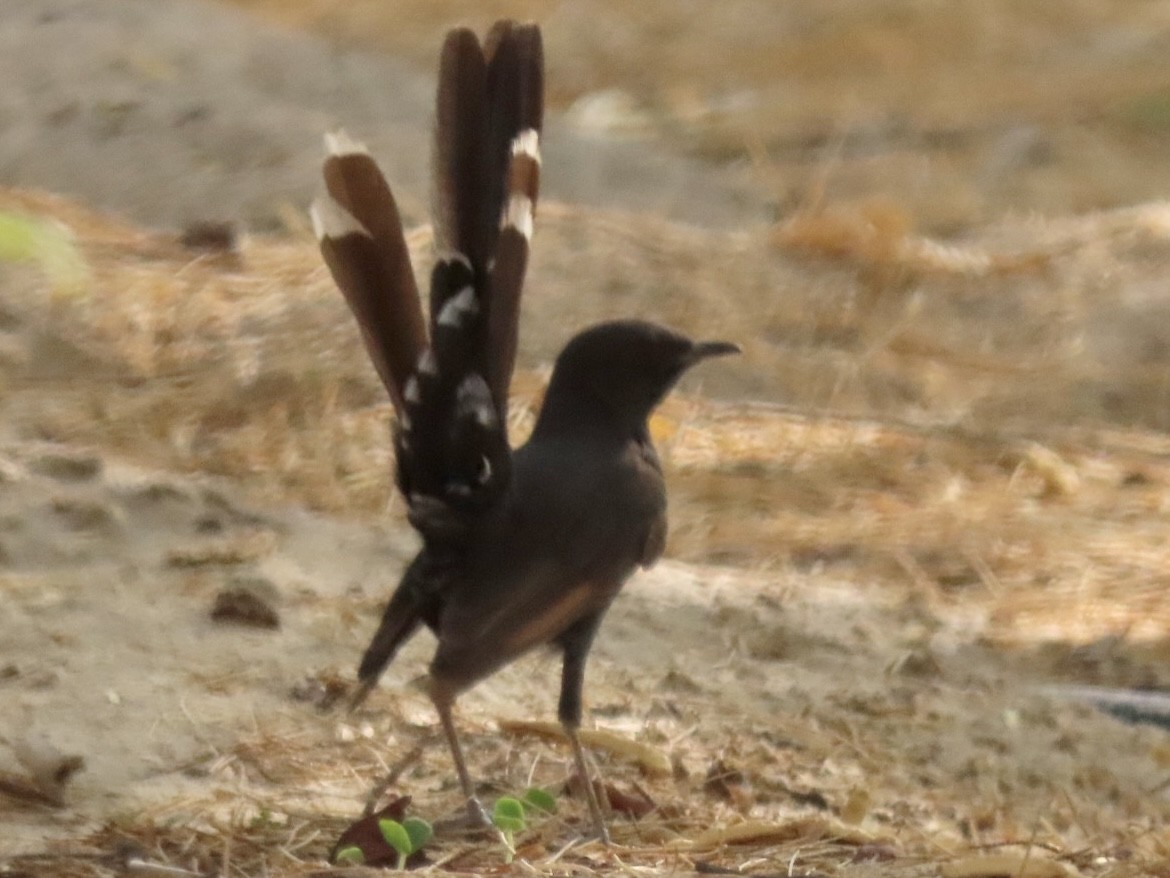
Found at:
(453, 454)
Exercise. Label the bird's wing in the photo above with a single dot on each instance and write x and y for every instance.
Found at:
(559, 551)
(413, 603)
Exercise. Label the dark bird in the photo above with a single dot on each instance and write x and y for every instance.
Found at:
(524, 548)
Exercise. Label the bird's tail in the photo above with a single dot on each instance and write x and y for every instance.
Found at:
(453, 457)
(361, 240)
(449, 386)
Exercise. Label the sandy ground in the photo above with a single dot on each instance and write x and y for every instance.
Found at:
(954, 492)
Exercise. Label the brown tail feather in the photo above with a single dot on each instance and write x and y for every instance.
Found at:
(357, 265)
(451, 439)
(507, 279)
(515, 103)
(451, 445)
(459, 128)
(515, 85)
(360, 234)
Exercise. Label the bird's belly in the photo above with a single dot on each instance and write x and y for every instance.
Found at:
(471, 647)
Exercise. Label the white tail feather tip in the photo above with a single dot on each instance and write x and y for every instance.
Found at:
(518, 215)
(527, 142)
(331, 220)
(340, 143)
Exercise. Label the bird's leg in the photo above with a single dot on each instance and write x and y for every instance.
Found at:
(599, 827)
(475, 810)
(576, 642)
(392, 776)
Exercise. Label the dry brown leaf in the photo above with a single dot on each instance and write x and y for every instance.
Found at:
(856, 806)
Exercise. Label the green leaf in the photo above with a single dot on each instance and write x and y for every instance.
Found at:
(509, 824)
(396, 836)
(48, 244)
(18, 238)
(351, 855)
(539, 800)
(420, 832)
(508, 814)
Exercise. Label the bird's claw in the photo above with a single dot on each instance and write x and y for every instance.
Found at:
(477, 815)
(473, 819)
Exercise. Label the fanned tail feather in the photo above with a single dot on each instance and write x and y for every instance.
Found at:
(487, 172)
(361, 240)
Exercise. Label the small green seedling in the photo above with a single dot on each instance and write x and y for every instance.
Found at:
(509, 814)
(350, 856)
(536, 799)
(406, 838)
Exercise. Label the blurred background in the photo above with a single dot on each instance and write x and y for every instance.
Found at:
(940, 232)
(958, 112)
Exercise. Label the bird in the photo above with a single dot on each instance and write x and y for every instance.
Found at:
(520, 548)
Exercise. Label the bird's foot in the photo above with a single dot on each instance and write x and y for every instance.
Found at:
(601, 833)
(473, 819)
(477, 815)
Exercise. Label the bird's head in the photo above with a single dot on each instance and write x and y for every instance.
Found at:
(619, 372)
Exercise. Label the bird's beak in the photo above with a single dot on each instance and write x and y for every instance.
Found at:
(704, 349)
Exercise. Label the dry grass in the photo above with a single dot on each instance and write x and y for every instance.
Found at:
(285, 794)
(947, 424)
